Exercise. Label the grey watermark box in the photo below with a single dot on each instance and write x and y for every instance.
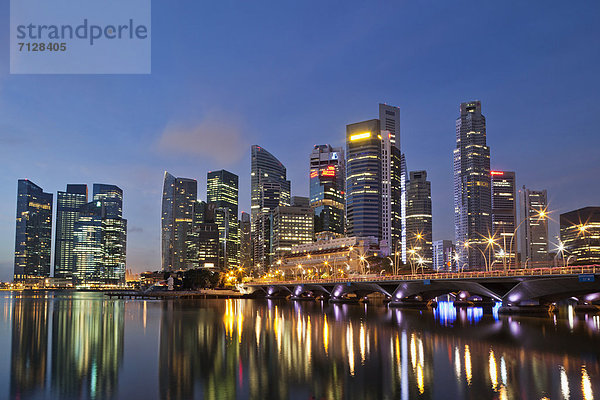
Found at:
(80, 37)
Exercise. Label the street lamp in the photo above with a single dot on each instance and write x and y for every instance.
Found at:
(542, 214)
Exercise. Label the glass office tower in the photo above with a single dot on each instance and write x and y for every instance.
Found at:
(33, 236)
(68, 205)
(419, 229)
(222, 191)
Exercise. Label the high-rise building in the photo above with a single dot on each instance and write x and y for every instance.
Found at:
(269, 189)
(68, 205)
(391, 195)
(222, 190)
(443, 255)
(100, 238)
(290, 226)
(419, 229)
(504, 217)
(203, 240)
(389, 118)
(534, 232)
(245, 241)
(363, 179)
(179, 196)
(327, 189)
(33, 237)
(580, 235)
(472, 192)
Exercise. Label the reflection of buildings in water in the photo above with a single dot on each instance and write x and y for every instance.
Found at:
(29, 350)
(87, 347)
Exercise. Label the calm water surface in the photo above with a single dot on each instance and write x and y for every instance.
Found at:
(82, 345)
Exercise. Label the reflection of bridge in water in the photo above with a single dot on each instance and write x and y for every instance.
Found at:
(518, 289)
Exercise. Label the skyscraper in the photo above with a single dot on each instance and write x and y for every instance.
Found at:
(269, 189)
(363, 179)
(245, 241)
(100, 238)
(419, 229)
(33, 236)
(222, 190)
(291, 226)
(68, 205)
(472, 192)
(179, 195)
(504, 216)
(391, 195)
(327, 193)
(580, 234)
(443, 253)
(534, 233)
(202, 243)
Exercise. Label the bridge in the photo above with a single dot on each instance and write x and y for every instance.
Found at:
(519, 290)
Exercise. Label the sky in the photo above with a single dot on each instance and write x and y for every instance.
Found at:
(289, 75)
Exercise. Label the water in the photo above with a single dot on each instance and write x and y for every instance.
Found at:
(82, 345)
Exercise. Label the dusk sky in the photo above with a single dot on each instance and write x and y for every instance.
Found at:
(226, 75)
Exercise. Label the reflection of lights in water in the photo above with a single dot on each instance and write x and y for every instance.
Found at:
(420, 379)
(350, 348)
(474, 314)
(299, 328)
(564, 383)
(493, 370)
(457, 363)
(503, 394)
(586, 385)
(571, 314)
(495, 309)
(445, 312)
(145, 315)
(398, 356)
(468, 371)
(228, 317)
(308, 340)
(404, 384)
(362, 343)
(421, 355)
(596, 319)
(503, 370)
(413, 351)
(326, 335)
(240, 320)
(257, 328)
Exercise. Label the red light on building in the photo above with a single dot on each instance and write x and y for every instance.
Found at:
(496, 173)
(330, 171)
(314, 174)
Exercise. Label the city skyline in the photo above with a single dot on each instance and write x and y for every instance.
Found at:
(140, 150)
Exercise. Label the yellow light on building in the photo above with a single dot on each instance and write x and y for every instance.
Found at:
(360, 136)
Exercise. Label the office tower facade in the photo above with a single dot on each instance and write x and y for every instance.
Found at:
(68, 205)
(363, 179)
(472, 191)
(222, 190)
(100, 238)
(534, 231)
(504, 217)
(203, 240)
(580, 235)
(327, 189)
(419, 228)
(245, 241)
(389, 118)
(391, 195)
(179, 196)
(33, 238)
(291, 226)
(269, 189)
(443, 255)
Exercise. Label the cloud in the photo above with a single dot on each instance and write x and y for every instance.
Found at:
(216, 137)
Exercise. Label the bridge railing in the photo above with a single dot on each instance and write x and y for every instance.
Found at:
(524, 272)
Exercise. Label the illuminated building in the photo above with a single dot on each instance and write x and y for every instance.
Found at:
(269, 189)
(68, 205)
(202, 240)
(33, 237)
(580, 234)
(222, 190)
(100, 238)
(291, 226)
(327, 182)
(179, 195)
(472, 192)
(363, 179)
(534, 231)
(443, 255)
(392, 185)
(245, 240)
(419, 229)
(504, 216)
